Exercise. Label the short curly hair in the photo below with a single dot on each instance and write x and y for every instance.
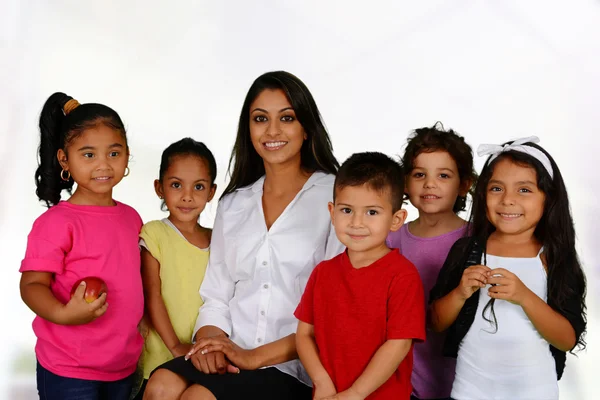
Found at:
(436, 138)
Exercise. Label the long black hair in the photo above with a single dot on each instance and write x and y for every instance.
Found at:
(555, 231)
(58, 127)
(246, 166)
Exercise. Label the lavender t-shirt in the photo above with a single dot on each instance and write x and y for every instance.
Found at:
(433, 373)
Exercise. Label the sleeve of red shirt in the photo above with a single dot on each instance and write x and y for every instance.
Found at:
(406, 307)
(304, 312)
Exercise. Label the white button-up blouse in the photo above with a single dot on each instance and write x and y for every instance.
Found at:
(255, 277)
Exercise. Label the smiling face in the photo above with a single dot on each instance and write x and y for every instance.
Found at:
(434, 183)
(363, 217)
(186, 187)
(275, 132)
(514, 202)
(96, 159)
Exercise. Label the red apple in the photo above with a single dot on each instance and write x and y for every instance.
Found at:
(94, 287)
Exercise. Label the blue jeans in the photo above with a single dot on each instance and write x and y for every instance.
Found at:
(54, 387)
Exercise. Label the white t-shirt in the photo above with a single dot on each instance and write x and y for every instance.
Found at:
(515, 362)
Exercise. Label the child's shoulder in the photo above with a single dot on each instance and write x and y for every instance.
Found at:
(154, 225)
(157, 228)
(402, 266)
(465, 245)
(59, 213)
(127, 209)
(327, 266)
(60, 220)
(394, 239)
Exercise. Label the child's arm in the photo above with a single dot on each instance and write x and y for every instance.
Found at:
(445, 310)
(36, 293)
(554, 328)
(309, 355)
(383, 364)
(159, 317)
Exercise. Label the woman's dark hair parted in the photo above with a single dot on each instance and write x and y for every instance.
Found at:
(436, 138)
(555, 231)
(246, 166)
(63, 119)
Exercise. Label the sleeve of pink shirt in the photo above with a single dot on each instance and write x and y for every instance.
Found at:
(50, 239)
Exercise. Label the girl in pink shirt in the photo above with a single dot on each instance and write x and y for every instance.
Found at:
(86, 348)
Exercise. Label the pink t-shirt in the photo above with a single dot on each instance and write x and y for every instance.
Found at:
(75, 242)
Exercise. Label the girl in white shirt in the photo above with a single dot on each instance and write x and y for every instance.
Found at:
(272, 228)
(517, 306)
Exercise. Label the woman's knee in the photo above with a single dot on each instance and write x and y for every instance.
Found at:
(165, 385)
(197, 392)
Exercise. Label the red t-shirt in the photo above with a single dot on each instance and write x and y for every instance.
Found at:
(355, 311)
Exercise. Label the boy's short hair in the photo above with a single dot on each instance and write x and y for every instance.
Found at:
(376, 170)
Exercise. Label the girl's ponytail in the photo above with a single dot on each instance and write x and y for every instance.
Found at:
(48, 178)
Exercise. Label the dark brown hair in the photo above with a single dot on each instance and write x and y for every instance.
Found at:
(374, 169)
(435, 138)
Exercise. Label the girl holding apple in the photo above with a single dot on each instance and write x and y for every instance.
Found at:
(86, 348)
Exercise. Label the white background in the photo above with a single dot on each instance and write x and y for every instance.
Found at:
(493, 70)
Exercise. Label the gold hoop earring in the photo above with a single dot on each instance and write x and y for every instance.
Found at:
(126, 172)
(62, 175)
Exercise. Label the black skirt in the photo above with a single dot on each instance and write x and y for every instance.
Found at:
(266, 383)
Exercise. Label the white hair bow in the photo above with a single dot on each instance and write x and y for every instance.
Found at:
(518, 145)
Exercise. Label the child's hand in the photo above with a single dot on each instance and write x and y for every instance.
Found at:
(78, 311)
(325, 389)
(349, 394)
(180, 350)
(473, 278)
(507, 286)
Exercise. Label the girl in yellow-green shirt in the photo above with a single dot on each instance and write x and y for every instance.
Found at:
(175, 252)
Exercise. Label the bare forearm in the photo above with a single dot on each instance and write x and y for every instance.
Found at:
(159, 317)
(40, 300)
(276, 352)
(445, 310)
(309, 355)
(556, 329)
(383, 364)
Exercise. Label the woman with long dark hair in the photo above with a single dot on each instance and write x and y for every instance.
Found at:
(272, 228)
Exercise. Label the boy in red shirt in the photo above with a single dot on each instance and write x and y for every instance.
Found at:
(361, 310)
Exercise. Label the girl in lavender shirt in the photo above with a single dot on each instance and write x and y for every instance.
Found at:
(439, 174)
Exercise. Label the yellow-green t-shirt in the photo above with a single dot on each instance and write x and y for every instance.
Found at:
(182, 268)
